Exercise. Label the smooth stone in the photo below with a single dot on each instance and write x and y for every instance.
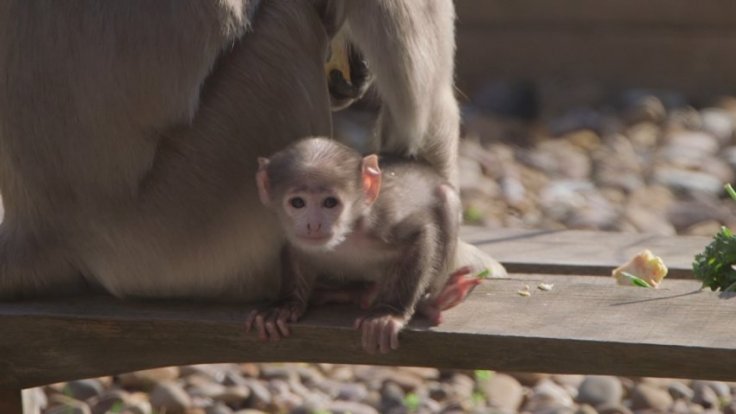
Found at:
(171, 397)
(680, 391)
(600, 389)
(206, 390)
(270, 372)
(108, 399)
(234, 394)
(568, 380)
(649, 221)
(721, 388)
(645, 396)
(392, 395)
(218, 408)
(555, 409)
(84, 389)
(502, 391)
(528, 379)
(730, 409)
(696, 141)
(685, 180)
(685, 407)
(548, 395)
(705, 395)
(138, 403)
(260, 396)
(718, 122)
(62, 404)
(617, 408)
(350, 407)
(640, 106)
(586, 409)
(147, 379)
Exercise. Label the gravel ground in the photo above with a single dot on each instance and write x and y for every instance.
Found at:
(536, 157)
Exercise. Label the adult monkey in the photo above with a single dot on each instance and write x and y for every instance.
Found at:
(129, 131)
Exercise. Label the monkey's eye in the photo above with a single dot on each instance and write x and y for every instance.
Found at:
(330, 202)
(297, 202)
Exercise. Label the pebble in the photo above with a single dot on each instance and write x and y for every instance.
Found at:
(600, 390)
(171, 397)
(680, 391)
(62, 404)
(646, 396)
(705, 395)
(613, 409)
(148, 378)
(503, 392)
(718, 123)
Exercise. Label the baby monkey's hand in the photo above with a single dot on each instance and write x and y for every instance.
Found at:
(272, 322)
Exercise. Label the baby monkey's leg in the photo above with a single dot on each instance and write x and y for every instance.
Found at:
(457, 288)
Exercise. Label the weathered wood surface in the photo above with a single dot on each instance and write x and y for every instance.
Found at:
(647, 14)
(11, 401)
(582, 252)
(678, 44)
(586, 324)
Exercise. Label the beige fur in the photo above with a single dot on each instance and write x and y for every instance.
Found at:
(129, 131)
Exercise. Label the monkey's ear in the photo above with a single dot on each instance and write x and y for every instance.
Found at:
(262, 181)
(371, 177)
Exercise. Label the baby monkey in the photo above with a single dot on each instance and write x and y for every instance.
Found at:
(347, 219)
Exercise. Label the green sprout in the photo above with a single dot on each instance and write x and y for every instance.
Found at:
(636, 281)
(730, 191)
(485, 274)
(472, 215)
(412, 401)
(483, 374)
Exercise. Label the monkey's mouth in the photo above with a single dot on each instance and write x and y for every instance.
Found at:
(315, 239)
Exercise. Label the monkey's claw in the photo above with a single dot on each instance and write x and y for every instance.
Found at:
(272, 323)
(380, 332)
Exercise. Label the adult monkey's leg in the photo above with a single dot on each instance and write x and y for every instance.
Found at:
(410, 48)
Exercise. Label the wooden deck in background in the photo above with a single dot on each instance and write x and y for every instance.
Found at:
(681, 45)
(585, 324)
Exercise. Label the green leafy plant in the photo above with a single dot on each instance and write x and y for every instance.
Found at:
(714, 267)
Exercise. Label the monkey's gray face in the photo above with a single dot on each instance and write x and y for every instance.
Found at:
(314, 219)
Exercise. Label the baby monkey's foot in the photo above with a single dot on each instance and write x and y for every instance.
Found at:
(457, 288)
(272, 322)
(380, 331)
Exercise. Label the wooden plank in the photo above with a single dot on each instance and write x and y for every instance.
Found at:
(582, 252)
(584, 325)
(692, 62)
(679, 13)
(11, 401)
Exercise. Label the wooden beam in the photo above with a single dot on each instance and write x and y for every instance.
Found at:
(582, 252)
(584, 325)
(650, 13)
(692, 62)
(11, 401)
